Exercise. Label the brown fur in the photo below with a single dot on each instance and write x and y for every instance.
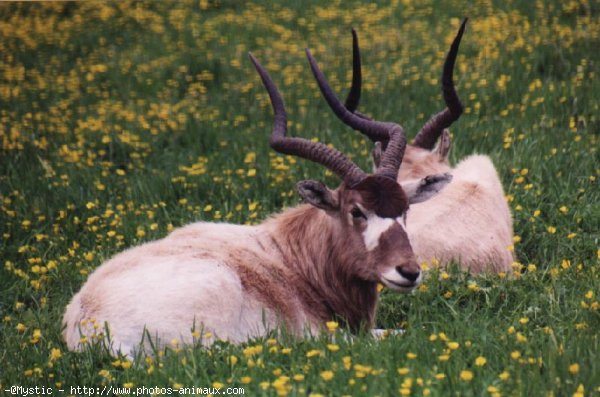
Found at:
(383, 195)
(326, 270)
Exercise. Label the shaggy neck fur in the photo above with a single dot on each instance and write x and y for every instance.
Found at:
(322, 267)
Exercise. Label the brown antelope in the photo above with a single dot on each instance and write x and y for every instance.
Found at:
(469, 222)
(316, 262)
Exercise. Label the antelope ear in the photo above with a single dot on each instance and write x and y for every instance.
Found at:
(442, 149)
(317, 194)
(420, 190)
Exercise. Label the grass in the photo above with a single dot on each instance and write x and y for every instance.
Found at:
(121, 121)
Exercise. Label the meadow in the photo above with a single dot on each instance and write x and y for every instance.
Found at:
(120, 121)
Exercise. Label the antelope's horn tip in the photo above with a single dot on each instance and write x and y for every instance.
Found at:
(252, 58)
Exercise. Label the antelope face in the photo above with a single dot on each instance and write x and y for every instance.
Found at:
(419, 162)
(372, 215)
(376, 210)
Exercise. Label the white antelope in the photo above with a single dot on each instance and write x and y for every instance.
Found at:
(469, 222)
(316, 262)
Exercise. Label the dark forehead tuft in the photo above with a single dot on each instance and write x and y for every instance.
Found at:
(382, 195)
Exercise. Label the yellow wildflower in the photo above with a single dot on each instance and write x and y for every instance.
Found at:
(332, 325)
(327, 375)
(466, 375)
(313, 353)
(453, 345)
(55, 354)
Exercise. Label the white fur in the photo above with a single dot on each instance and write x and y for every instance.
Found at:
(376, 226)
(124, 297)
(169, 286)
(468, 221)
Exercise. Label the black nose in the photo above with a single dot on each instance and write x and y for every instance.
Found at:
(409, 274)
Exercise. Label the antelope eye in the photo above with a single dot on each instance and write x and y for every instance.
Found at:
(357, 213)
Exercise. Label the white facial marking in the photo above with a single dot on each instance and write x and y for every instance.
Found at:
(376, 226)
(402, 221)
